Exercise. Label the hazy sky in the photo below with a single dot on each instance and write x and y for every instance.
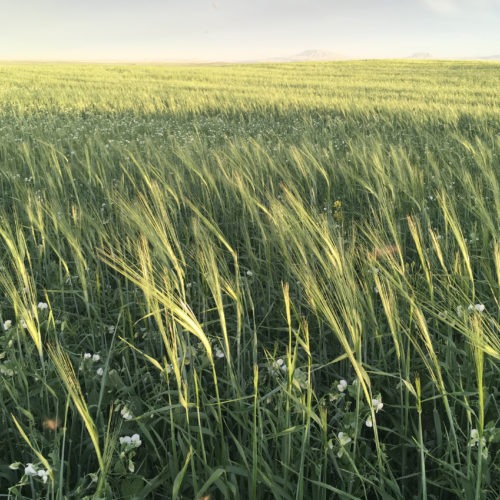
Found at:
(245, 29)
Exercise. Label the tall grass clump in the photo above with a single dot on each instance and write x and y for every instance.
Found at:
(262, 281)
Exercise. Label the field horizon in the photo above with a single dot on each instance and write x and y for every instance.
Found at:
(298, 58)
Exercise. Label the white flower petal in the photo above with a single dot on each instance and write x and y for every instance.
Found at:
(344, 438)
(342, 385)
(29, 470)
(43, 474)
(125, 440)
(377, 404)
(136, 440)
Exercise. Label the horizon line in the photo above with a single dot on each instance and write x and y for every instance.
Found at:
(271, 60)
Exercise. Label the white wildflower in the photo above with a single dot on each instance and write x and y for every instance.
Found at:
(125, 440)
(7, 324)
(29, 470)
(126, 414)
(42, 306)
(343, 438)
(476, 307)
(100, 372)
(377, 404)
(218, 353)
(369, 422)
(136, 440)
(279, 364)
(96, 358)
(87, 355)
(43, 475)
(249, 273)
(133, 441)
(342, 385)
(474, 438)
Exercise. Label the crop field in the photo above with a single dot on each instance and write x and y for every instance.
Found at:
(250, 282)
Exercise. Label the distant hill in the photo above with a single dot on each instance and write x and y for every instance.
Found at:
(309, 55)
(427, 55)
(420, 55)
(317, 55)
(496, 57)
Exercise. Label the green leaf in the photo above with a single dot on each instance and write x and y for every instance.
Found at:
(132, 487)
(180, 476)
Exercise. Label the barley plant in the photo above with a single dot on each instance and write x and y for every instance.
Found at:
(257, 281)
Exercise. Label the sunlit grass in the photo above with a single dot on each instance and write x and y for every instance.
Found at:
(251, 281)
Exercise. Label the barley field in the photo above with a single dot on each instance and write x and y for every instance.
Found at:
(250, 281)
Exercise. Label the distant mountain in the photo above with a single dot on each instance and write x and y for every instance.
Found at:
(317, 55)
(313, 55)
(309, 55)
(427, 55)
(496, 57)
(420, 55)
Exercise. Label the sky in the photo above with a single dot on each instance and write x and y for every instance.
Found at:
(239, 30)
